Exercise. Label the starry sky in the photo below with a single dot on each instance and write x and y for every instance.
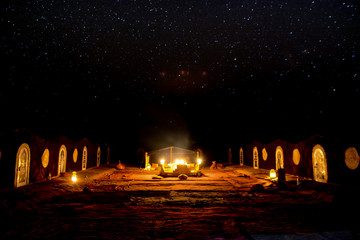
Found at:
(191, 73)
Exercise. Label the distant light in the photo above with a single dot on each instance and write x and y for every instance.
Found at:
(162, 161)
(272, 174)
(74, 177)
(199, 161)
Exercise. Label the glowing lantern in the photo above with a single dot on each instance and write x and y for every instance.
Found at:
(199, 161)
(74, 177)
(272, 174)
(162, 161)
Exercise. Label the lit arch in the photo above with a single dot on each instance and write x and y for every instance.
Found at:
(62, 159)
(84, 159)
(241, 156)
(279, 158)
(319, 162)
(22, 167)
(255, 158)
(98, 156)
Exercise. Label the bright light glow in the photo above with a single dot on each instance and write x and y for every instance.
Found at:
(148, 167)
(162, 161)
(199, 161)
(180, 162)
(272, 173)
(74, 177)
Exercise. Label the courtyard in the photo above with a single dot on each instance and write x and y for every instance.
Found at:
(231, 203)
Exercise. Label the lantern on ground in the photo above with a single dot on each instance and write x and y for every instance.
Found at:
(74, 177)
(272, 174)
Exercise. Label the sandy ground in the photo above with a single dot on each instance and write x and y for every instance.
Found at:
(129, 204)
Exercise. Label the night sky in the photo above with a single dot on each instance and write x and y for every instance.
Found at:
(208, 74)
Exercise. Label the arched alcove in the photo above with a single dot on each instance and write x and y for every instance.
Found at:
(22, 167)
(84, 159)
(279, 158)
(255, 158)
(319, 163)
(62, 159)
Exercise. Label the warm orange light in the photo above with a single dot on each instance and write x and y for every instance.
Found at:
(199, 161)
(74, 177)
(162, 161)
(272, 174)
(180, 162)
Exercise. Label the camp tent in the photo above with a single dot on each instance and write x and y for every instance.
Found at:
(319, 158)
(26, 158)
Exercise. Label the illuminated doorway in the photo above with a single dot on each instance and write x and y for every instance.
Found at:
(98, 156)
(319, 163)
(84, 159)
(62, 159)
(279, 158)
(22, 167)
(241, 156)
(255, 158)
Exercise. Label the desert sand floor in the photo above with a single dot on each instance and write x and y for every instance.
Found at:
(131, 204)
